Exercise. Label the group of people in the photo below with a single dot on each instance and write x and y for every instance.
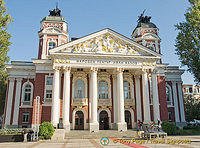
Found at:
(28, 135)
(151, 126)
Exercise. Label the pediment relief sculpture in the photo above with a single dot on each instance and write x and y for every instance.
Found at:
(105, 44)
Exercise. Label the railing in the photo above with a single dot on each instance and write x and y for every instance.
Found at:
(79, 102)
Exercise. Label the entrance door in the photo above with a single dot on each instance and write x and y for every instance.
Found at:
(128, 119)
(103, 120)
(79, 120)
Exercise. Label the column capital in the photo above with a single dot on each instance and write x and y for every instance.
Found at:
(137, 76)
(144, 71)
(19, 79)
(119, 70)
(66, 68)
(93, 69)
(11, 79)
(56, 68)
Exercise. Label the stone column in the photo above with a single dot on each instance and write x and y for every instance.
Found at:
(17, 101)
(9, 100)
(115, 99)
(66, 98)
(94, 125)
(138, 97)
(121, 124)
(55, 110)
(176, 110)
(180, 94)
(156, 108)
(146, 106)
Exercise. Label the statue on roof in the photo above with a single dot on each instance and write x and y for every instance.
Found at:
(144, 19)
(55, 12)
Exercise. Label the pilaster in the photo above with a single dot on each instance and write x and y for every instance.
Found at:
(9, 101)
(17, 101)
(176, 110)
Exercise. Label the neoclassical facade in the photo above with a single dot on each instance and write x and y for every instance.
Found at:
(101, 81)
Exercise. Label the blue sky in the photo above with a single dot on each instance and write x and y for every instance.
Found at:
(88, 16)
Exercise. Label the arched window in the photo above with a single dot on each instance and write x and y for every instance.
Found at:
(27, 93)
(52, 45)
(168, 95)
(103, 90)
(79, 89)
(127, 90)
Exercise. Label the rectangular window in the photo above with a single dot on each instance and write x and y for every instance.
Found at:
(49, 81)
(27, 96)
(169, 116)
(25, 117)
(49, 94)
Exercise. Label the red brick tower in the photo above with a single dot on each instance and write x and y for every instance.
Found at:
(146, 34)
(53, 32)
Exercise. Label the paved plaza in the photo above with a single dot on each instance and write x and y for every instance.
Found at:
(87, 143)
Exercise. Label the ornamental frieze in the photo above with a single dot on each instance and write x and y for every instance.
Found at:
(104, 44)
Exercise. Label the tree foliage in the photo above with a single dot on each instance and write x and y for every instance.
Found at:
(192, 108)
(188, 39)
(46, 130)
(5, 19)
(169, 127)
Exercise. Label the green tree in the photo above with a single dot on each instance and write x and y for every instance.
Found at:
(192, 108)
(188, 39)
(46, 130)
(5, 18)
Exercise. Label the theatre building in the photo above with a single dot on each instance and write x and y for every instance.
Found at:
(101, 81)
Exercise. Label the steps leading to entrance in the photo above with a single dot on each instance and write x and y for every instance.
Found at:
(59, 135)
(85, 134)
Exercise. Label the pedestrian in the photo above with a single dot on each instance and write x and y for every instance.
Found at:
(158, 124)
(24, 132)
(138, 124)
(31, 133)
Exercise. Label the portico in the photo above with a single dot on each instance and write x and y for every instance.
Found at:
(92, 101)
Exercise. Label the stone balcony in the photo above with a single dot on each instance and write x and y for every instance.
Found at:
(104, 102)
(79, 102)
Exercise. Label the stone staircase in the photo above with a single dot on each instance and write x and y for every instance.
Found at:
(85, 134)
(59, 135)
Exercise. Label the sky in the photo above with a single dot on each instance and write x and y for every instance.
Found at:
(87, 16)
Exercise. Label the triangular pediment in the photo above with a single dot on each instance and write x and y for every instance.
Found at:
(106, 41)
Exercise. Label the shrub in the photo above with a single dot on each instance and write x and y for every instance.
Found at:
(46, 130)
(169, 127)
